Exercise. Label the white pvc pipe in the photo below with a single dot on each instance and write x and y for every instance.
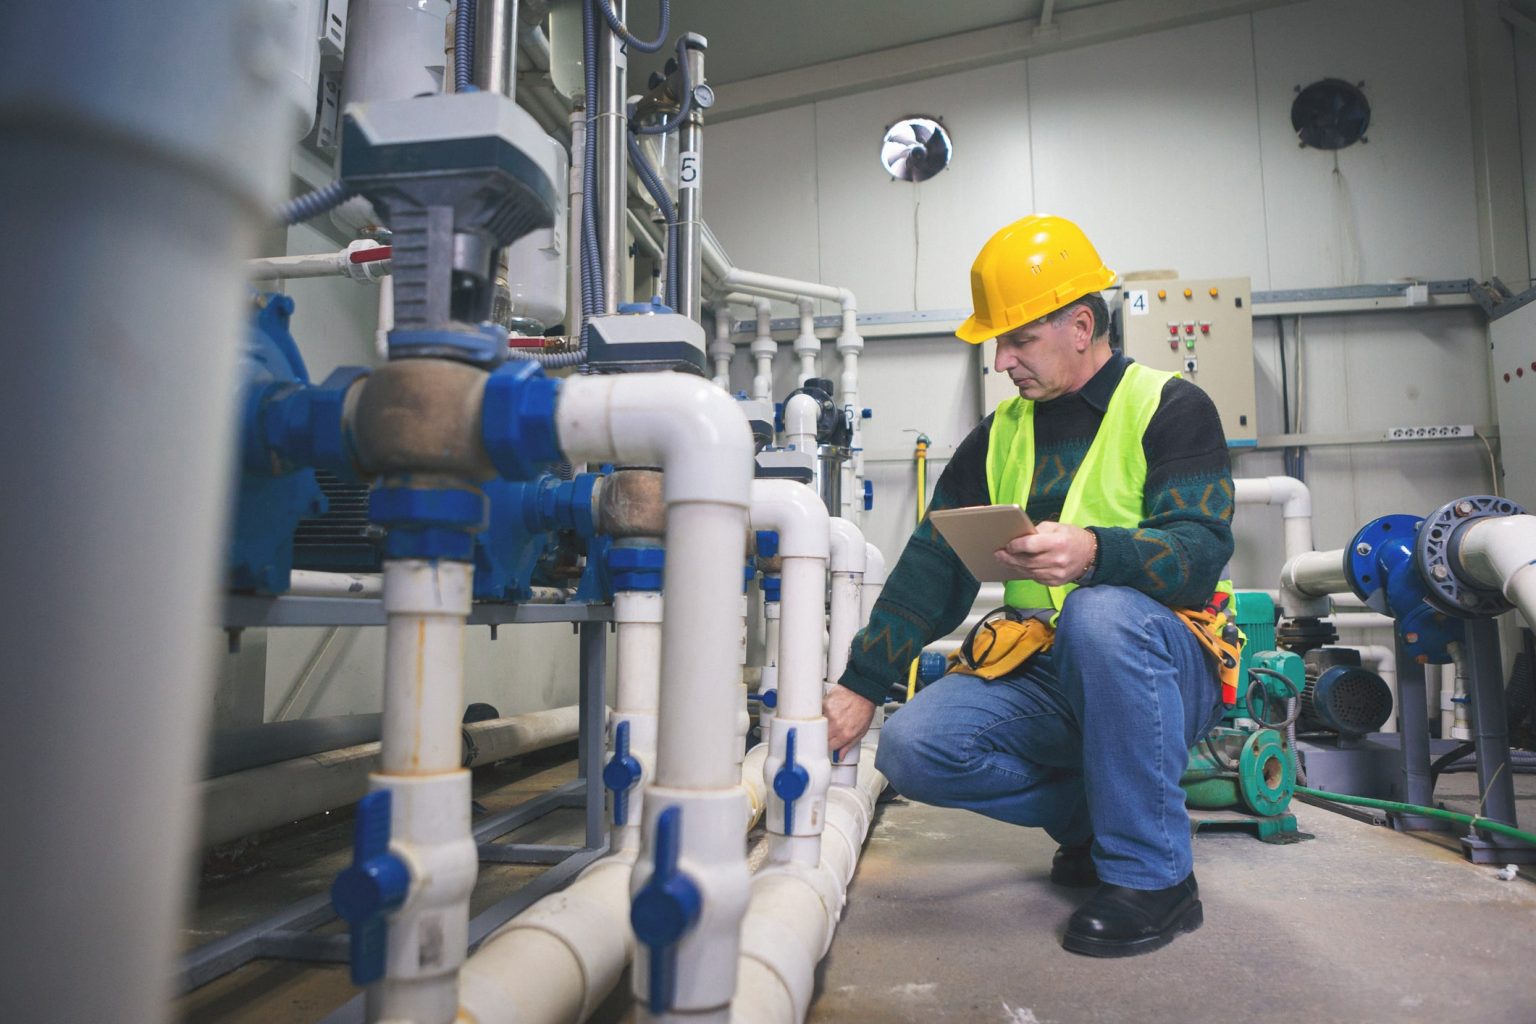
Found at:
(874, 582)
(322, 264)
(1363, 620)
(141, 150)
(1295, 500)
(764, 348)
(850, 558)
(1307, 579)
(1501, 553)
(722, 348)
(419, 765)
(796, 513)
(807, 345)
(800, 415)
(555, 962)
(637, 617)
(700, 438)
(795, 908)
(309, 583)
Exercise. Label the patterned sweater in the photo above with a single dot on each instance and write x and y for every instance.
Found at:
(1176, 555)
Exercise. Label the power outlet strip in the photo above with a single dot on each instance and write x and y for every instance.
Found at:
(1430, 433)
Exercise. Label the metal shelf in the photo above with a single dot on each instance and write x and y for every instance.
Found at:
(250, 611)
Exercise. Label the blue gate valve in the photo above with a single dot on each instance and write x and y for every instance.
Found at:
(790, 782)
(621, 773)
(375, 884)
(664, 910)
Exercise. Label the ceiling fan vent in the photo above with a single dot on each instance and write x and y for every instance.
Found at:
(1331, 114)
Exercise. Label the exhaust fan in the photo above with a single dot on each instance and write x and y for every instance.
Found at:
(915, 149)
(1331, 114)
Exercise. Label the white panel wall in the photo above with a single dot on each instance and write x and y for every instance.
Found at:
(761, 164)
(1175, 150)
(1401, 205)
(1525, 78)
(1151, 144)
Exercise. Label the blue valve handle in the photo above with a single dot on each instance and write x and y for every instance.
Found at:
(664, 910)
(790, 782)
(621, 773)
(375, 884)
(770, 698)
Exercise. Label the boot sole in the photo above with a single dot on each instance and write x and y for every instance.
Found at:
(1086, 945)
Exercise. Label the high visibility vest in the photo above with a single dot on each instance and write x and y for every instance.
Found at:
(1108, 489)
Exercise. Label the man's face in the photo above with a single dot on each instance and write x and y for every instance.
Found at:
(1044, 359)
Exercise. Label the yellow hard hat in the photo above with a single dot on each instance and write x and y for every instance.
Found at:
(1030, 268)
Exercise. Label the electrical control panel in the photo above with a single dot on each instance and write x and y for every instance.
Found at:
(1203, 330)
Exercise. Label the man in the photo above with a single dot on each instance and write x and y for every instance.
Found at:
(1125, 472)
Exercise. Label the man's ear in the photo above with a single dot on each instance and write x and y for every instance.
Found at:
(1082, 328)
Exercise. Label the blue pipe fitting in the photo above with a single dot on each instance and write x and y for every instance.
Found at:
(517, 422)
(869, 495)
(621, 773)
(637, 568)
(664, 910)
(931, 665)
(375, 884)
(1382, 572)
(790, 782)
(773, 587)
(480, 344)
(867, 414)
(748, 574)
(429, 523)
(305, 426)
(769, 698)
(767, 543)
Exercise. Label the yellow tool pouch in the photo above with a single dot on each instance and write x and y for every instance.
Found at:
(1223, 641)
(1000, 644)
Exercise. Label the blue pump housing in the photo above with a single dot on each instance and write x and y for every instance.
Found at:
(516, 549)
(272, 496)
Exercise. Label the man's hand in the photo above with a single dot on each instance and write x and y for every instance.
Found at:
(848, 717)
(1055, 554)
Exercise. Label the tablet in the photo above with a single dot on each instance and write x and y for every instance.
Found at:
(977, 531)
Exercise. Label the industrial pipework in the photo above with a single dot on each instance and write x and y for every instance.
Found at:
(850, 558)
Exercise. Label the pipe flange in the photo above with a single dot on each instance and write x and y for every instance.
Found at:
(1375, 549)
(1435, 557)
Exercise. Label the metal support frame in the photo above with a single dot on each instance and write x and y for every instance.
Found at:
(288, 934)
(1490, 719)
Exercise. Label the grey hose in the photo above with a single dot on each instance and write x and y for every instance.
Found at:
(313, 204)
(622, 31)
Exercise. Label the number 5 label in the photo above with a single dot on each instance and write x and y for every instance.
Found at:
(688, 170)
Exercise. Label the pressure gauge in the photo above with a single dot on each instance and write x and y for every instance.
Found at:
(703, 96)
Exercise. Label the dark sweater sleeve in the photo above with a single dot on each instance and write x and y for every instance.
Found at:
(930, 591)
(1184, 541)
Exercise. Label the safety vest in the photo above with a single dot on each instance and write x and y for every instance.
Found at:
(1109, 485)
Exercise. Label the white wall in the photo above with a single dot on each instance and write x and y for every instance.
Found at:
(1174, 150)
(1525, 79)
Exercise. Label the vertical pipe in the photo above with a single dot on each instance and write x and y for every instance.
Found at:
(166, 138)
(637, 621)
(592, 662)
(496, 46)
(420, 758)
(612, 167)
(1490, 720)
(578, 126)
(1417, 786)
(690, 214)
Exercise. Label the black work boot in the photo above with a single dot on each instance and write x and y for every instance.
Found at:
(1117, 921)
(1072, 866)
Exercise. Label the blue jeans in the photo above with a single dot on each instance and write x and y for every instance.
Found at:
(1089, 739)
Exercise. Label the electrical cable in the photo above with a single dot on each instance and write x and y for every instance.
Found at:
(312, 204)
(463, 45)
(1439, 764)
(622, 31)
(1428, 812)
(1255, 678)
(1493, 466)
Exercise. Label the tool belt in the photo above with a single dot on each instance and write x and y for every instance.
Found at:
(1006, 638)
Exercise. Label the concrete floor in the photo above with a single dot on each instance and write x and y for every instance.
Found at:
(951, 918)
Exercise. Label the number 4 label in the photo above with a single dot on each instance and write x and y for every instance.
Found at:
(1136, 303)
(688, 169)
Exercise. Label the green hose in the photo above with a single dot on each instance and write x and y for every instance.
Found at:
(1428, 812)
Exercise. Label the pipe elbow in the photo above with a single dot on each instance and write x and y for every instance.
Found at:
(874, 565)
(800, 415)
(848, 550)
(694, 430)
(1292, 495)
(796, 513)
